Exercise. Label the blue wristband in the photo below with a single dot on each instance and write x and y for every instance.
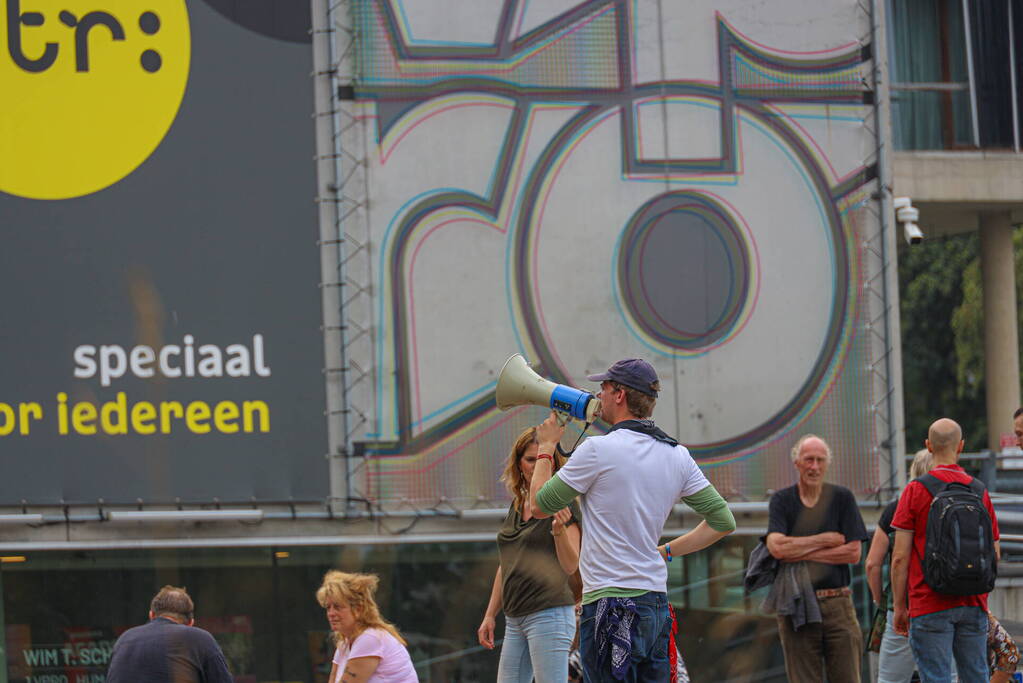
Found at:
(667, 551)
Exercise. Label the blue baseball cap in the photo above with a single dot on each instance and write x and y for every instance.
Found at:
(634, 373)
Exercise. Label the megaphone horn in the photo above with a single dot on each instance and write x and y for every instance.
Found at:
(518, 385)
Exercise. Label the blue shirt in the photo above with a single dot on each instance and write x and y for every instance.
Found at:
(164, 651)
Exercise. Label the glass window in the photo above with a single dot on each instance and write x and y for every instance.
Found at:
(931, 44)
(64, 610)
(930, 80)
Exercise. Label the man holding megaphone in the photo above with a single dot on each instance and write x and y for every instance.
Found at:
(629, 480)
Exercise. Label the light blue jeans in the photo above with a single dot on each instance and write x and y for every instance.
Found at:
(537, 645)
(960, 632)
(895, 663)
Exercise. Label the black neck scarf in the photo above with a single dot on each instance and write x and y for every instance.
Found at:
(645, 427)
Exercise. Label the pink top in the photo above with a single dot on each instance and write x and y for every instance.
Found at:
(395, 663)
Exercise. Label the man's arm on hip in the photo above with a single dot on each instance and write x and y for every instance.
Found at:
(709, 504)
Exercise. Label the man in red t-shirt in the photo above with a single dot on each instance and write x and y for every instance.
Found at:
(939, 625)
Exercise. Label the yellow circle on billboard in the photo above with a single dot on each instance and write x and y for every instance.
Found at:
(90, 89)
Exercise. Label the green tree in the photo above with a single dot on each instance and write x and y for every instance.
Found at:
(930, 290)
(968, 328)
(942, 311)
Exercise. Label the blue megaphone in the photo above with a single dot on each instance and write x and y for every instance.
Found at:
(518, 385)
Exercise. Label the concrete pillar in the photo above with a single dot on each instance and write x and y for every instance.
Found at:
(1001, 340)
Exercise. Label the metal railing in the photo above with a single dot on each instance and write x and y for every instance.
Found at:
(988, 466)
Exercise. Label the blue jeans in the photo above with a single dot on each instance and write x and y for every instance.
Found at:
(960, 632)
(650, 663)
(895, 662)
(537, 645)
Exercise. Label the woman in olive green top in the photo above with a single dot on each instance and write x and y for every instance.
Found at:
(531, 585)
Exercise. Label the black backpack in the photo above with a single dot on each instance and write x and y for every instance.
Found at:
(959, 553)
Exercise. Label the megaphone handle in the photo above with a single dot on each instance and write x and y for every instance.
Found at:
(568, 454)
(562, 418)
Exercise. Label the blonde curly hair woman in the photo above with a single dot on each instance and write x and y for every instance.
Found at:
(369, 649)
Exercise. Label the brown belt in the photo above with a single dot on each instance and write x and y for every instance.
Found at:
(833, 592)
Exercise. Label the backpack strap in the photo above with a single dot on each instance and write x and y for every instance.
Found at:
(933, 485)
(978, 487)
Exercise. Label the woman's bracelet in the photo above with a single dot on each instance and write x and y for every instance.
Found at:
(667, 551)
(545, 456)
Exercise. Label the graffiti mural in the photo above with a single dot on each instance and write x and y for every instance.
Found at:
(583, 182)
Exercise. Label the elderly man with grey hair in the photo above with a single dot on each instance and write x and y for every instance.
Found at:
(819, 524)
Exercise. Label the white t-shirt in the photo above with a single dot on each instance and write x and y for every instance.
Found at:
(629, 482)
(395, 663)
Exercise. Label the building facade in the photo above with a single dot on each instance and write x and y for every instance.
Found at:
(268, 260)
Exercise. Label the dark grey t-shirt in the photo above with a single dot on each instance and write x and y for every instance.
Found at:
(164, 651)
(533, 578)
(836, 510)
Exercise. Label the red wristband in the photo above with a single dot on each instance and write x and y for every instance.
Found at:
(545, 456)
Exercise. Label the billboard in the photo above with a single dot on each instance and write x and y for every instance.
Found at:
(162, 327)
(581, 182)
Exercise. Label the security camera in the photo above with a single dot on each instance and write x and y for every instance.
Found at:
(908, 215)
(914, 235)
